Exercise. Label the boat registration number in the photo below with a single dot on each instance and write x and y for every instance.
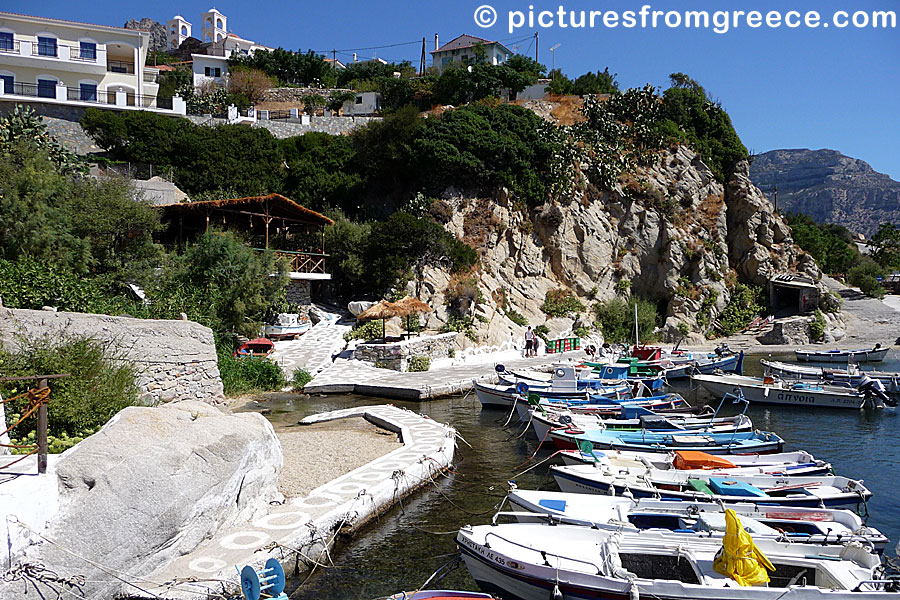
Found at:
(491, 555)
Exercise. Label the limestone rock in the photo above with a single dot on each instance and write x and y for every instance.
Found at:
(787, 332)
(153, 484)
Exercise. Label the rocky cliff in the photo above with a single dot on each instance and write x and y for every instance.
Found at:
(157, 31)
(829, 187)
(669, 232)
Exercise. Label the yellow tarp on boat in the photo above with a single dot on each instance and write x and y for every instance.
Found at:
(739, 557)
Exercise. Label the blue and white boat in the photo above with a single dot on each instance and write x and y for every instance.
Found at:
(711, 486)
(734, 442)
(874, 354)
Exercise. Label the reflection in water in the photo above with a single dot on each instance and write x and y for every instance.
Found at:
(406, 546)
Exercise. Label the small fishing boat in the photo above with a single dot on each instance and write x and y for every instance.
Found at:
(571, 378)
(687, 520)
(529, 561)
(630, 419)
(711, 486)
(874, 354)
(780, 463)
(852, 375)
(439, 595)
(733, 442)
(288, 325)
(258, 348)
(504, 396)
(769, 390)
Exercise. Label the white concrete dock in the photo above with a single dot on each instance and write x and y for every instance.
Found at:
(303, 529)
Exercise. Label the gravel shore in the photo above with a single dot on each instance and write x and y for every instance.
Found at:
(316, 454)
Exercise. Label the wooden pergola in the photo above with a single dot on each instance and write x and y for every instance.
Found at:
(258, 217)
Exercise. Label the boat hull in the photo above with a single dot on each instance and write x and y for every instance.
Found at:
(859, 356)
(762, 394)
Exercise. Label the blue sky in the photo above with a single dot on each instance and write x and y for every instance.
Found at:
(784, 88)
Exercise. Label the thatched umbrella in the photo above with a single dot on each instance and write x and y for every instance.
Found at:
(382, 310)
(412, 306)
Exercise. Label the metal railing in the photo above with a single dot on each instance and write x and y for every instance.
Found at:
(76, 94)
(279, 114)
(83, 54)
(151, 76)
(119, 66)
(47, 50)
(13, 47)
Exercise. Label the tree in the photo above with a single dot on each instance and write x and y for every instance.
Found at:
(251, 83)
(596, 83)
(887, 246)
(560, 84)
(285, 66)
(312, 102)
(337, 99)
(526, 65)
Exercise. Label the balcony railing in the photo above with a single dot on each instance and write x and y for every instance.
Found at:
(48, 50)
(83, 54)
(151, 76)
(118, 66)
(77, 94)
(11, 47)
(302, 262)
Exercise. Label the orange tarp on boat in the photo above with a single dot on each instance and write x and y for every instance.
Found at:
(693, 459)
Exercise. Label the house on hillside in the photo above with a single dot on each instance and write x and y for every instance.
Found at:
(56, 65)
(463, 51)
(365, 104)
(271, 222)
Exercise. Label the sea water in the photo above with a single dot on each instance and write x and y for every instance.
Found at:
(403, 549)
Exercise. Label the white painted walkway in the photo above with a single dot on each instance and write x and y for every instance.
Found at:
(306, 527)
(313, 351)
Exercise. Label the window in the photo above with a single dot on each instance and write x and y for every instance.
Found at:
(8, 84)
(88, 92)
(359, 99)
(217, 72)
(46, 88)
(6, 40)
(183, 30)
(207, 71)
(46, 46)
(88, 50)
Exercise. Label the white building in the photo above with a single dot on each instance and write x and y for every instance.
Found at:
(209, 69)
(51, 61)
(178, 29)
(463, 51)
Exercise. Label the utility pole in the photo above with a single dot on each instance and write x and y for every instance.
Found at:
(776, 199)
(422, 60)
(537, 41)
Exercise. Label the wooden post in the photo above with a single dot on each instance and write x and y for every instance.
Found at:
(42, 432)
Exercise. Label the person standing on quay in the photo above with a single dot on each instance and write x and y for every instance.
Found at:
(529, 343)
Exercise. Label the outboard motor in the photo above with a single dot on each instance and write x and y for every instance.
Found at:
(875, 391)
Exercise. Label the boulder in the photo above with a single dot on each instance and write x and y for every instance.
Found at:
(152, 485)
(358, 306)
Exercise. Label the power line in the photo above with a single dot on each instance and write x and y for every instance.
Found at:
(369, 47)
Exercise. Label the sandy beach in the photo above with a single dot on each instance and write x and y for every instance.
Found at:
(316, 454)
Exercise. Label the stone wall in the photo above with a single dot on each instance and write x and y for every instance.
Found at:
(285, 128)
(175, 360)
(396, 356)
(298, 292)
(296, 94)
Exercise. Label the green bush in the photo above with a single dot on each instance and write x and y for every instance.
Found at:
(100, 383)
(817, 326)
(516, 317)
(622, 286)
(747, 302)
(300, 378)
(248, 374)
(464, 325)
(419, 364)
(865, 276)
(368, 330)
(582, 332)
(543, 332)
(830, 245)
(561, 302)
(615, 318)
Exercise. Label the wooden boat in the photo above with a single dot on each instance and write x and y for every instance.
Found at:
(875, 354)
(781, 463)
(543, 420)
(711, 486)
(733, 442)
(288, 325)
(439, 595)
(529, 561)
(571, 378)
(688, 520)
(503, 396)
(852, 375)
(769, 390)
(259, 348)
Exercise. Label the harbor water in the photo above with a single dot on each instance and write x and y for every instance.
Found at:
(408, 544)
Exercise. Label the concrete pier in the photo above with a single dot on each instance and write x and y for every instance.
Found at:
(357, 377)
(300, 531)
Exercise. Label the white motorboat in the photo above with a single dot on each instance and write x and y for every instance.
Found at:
(687, 520)
(535, 561)
(711, 486)
(288, 325)
(875, 354)
(769, 390)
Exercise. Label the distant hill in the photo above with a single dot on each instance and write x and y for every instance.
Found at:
(157, 31)
(829, 187)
